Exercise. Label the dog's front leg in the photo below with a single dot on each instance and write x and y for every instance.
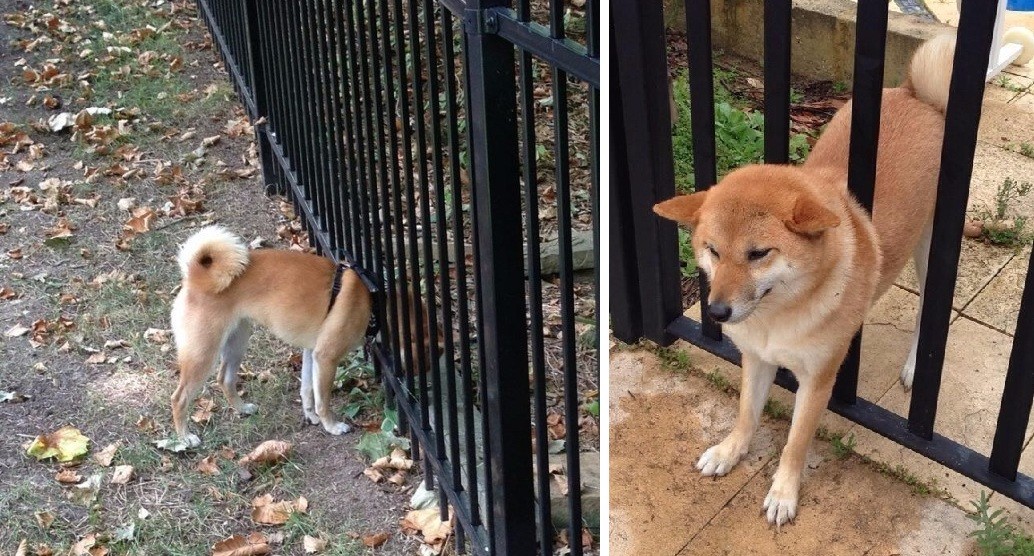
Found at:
(757, 379)
(812, 396)
(308, 400)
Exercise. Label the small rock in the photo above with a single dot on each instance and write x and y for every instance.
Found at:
(973, 229)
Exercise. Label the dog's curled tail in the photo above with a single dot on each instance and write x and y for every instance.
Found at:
(211, 258)
(929, 74)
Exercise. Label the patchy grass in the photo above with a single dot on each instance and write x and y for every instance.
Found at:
(777, 409)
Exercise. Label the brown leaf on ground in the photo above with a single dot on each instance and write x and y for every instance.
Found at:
(7, 293)
(203, 413)
(105, 456)
(122, 475)
(269, 452)
(375, 540)
(86, 545)
(253, 545)
(373, 474)
(142, 220)
(267, 512)
(428, 523)
(146, 424)
(315, 545)
(96, 358)
(208, 466)
(68, 477)
(44, 519)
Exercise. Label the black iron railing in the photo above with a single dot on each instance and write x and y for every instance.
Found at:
(407, 134)
(646, 295)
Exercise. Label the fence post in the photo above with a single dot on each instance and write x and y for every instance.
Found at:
(258, 94)
(491, 63)
(642, 63)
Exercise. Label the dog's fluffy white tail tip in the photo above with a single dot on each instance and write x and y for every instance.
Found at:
(929, 74)
(211, 258)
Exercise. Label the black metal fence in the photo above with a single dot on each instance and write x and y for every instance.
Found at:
(416, 139)
(646, 298)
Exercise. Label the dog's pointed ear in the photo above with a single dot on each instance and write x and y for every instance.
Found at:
(683, 209)
(810, 217)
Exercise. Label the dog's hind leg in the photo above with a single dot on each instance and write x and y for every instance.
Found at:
(921, 256)
(232, 354)
(308, 401)
(196, 352)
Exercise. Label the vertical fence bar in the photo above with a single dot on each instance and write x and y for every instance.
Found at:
(870, 51)
(1018, 395)
(538, 356)
(260, 92)
(459, 250)
(976, 24)
(436, 162)
(777, 81)
(561, 162)
(493, 123)
(639, 30)
(625, 306)
(422, 243)
(701, 86)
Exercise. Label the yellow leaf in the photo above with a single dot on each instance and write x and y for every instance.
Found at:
(105, 456)
(65, 444)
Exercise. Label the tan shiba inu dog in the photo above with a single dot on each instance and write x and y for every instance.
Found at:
(226, 288)
(794, 261)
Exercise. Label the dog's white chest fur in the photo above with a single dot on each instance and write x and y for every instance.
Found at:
(785, 347)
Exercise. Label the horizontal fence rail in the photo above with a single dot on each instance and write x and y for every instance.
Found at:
(438, 145)
(647, 302)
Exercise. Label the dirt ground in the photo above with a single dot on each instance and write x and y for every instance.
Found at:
(88, 280)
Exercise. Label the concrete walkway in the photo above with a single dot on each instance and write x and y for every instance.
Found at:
(663, 420)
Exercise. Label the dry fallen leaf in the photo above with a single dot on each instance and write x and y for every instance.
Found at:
(203, 414)
(427, 522)
(375, 540)
(105, 456)
(254, 545)
(68, 477)
(270, 451)
(267, 512)
(122, 474)
(44, 519)
(314, 545)
(208, 466)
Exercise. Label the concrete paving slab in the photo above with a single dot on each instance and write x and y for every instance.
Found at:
(979, 263)
(991, 167)
(664, 421)
(1005, 119)
(999, 303)
(846, 508)
(971, 389)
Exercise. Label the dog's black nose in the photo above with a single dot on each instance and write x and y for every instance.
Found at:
(719, 311)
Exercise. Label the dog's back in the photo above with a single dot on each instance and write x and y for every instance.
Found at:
(908, 161)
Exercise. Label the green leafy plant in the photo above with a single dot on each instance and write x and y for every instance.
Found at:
(995, 536)
(842, 448)
(1001, 225)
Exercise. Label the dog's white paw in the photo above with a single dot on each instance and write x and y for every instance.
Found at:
(721, 458)
(908, 372)
(311, 416)
(337, 428)
(781, 504)
(248, 409)
(192, 440)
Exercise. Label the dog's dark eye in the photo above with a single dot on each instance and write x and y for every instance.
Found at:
(757, 254)
(713, 252)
